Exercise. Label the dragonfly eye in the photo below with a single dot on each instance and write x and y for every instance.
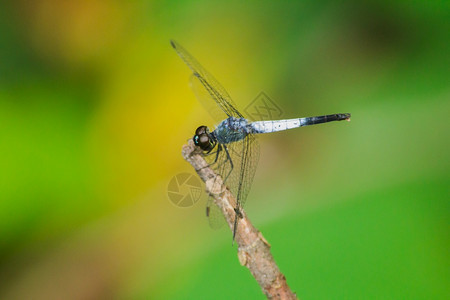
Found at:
(202, 139)
(201, 130)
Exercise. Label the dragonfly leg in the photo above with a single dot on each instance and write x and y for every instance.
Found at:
(219, 148)
(231, 163)
(217, 152)
(227, 158)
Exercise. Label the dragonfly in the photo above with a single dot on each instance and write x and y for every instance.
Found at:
(232, 148)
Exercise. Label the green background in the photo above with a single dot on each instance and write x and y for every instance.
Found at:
(95, 106)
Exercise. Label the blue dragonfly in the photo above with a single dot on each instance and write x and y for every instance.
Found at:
(232, 148)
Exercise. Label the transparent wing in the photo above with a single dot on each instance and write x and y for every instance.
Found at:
(245, 156)
(204, 98)
(212, 86)
(215, 217)
(215, 160)
(218, 161)
(238, 167)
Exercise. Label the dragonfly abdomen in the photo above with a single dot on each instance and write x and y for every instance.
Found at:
(280, 125)
(274, 126)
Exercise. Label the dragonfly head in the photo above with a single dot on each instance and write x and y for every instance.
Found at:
(203, 139)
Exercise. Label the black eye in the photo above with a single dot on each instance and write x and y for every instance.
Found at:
(201, 130)
(202, 139)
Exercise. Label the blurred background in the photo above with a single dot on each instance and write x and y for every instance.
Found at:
(95, 106)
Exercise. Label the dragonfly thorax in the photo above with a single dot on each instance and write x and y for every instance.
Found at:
(231, 130)
(204, 139)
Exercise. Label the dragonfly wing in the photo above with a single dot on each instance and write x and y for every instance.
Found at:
(236, 164)
(212, 86)
(245, 156)
(219, 162)
(204, 98)
(215, 217)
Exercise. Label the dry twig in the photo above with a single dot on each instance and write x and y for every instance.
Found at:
(253, 249)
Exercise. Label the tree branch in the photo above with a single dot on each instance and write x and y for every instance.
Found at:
(253, 249)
